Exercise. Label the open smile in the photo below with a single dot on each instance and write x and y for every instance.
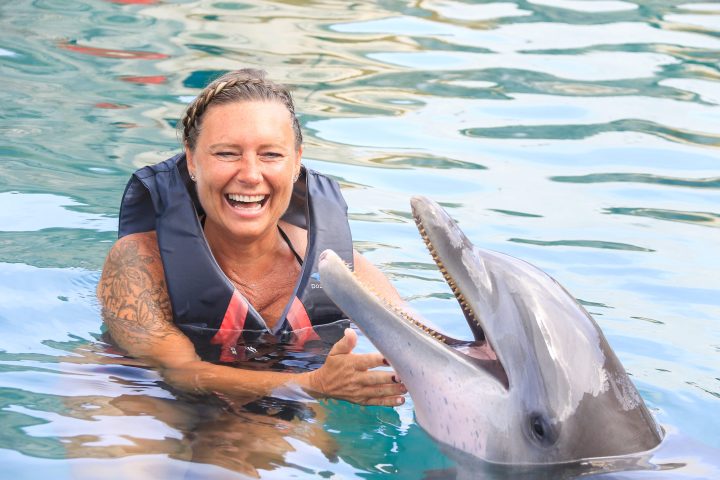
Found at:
(246, 202)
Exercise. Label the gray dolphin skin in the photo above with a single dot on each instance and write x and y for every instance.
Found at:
(537, 385)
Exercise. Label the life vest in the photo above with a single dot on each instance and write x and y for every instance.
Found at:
(206, 306)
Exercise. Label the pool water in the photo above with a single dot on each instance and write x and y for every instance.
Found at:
(580, 135)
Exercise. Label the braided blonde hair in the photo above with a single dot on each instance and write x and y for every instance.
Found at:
(244, 85)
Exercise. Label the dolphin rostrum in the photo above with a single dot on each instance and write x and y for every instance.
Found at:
(538, 385)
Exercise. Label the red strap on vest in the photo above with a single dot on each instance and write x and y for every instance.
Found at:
(234, 321)
(299, 320)
(231, 327)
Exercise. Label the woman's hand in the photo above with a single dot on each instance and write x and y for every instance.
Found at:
(347, 376)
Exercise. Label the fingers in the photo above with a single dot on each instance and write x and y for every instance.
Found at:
(366, 361)
(386, 401)
(351, 376)
(390, 390)
(346, 344)
(378, 388)
(380, 377)
(362, 361)
(389, 396)
(379, 391)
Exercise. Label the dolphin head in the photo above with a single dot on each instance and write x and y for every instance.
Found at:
(538, 383)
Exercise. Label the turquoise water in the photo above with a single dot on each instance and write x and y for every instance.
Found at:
(582, 136)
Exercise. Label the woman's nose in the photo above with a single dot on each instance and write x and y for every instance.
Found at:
(249, 170)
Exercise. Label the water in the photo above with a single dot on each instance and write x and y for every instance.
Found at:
(582, 136)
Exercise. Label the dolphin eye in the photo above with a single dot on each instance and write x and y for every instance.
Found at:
(538, 428)
(541, 430)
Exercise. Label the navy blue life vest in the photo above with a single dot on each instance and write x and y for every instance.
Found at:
(206, 305)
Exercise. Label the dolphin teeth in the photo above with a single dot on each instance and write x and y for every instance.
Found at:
(401, 313)
(450, 281)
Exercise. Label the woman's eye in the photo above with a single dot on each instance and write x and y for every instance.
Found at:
(226, 155)
(272, 155)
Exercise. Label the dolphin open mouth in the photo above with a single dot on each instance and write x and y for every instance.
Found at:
(479, 349)
(399, 332)
(358, 299)
(470, 315)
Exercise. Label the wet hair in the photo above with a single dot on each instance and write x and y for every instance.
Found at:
(244, 85)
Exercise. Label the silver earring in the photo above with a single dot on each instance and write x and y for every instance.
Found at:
(295, 178)
(192, 176)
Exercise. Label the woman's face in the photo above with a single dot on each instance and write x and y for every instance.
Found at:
(244, 163)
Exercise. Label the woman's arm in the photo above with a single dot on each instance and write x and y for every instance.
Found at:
(136, 309)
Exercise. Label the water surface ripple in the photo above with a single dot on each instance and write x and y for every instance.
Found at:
(582, 136)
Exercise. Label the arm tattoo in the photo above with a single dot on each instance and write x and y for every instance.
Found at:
(135, 302)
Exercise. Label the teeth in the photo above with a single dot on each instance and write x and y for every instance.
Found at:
(453, 285)
(401, 313)
(245, 198)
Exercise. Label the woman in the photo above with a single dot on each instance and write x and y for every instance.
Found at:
(219, 246)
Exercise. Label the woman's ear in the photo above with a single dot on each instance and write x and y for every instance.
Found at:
(298, 162)
(190, 161)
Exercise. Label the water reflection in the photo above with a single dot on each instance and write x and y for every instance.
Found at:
(111, 53)
(595, 66)
(25, 213)
(525, 37)
(589, 7)
(464, 12)
(699, 218)
(713, 182)
(582, 243)
(141, 416)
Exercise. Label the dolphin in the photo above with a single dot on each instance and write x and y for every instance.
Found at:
(538, 384)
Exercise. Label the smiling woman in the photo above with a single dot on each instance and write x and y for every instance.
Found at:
(218, 248)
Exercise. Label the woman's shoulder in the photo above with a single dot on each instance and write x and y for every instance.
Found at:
(132, 266)
(133, 251)
(143, 243)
